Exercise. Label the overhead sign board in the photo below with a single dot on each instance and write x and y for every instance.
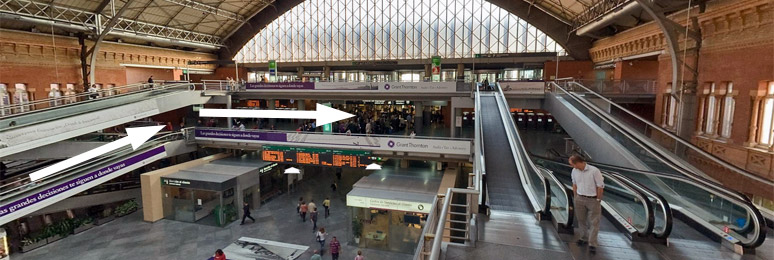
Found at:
(377, 203)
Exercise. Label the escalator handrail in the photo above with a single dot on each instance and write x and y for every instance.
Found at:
(12, 116)
(679, 139)
(565, 191)
(479, 155)
(664, 204)
(160, 140)
(643, 197)
(718, 187)
(690, 177)
(514, 137)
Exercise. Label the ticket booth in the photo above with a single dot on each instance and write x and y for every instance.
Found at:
(21, 98)
(550, 122)
(54, 95)
(531, 120)
(5, 100)
(540, 121)
(69, 93)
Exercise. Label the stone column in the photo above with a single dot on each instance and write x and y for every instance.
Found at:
(756, 103)
(300, 74)
(404, 163)
(418, 117)
(228, 106)
(460, 71)
(428, 71)
(301, 107)
(326, 72)
(699, 122)
(271, 106)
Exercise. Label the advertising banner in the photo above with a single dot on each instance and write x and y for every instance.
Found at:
(378, 203)
(523, 87)
(77, 185)
(436, 68)
(418, 87)
(244, 136)
(272, 70)
(397, 144)
(382, 143)
(346, 86)
(279, 86)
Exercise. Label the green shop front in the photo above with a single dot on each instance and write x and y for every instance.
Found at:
(196, 197)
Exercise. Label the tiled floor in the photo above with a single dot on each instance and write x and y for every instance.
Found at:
(131, 238)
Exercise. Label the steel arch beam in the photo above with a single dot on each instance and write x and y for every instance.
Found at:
(576, 46)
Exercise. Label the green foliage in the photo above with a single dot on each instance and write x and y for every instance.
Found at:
(230, 212)
(127, 207)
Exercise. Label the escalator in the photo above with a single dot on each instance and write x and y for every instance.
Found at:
(40, 123)
(22, 196)
(696, 199)
(514, 182)
(503, 184)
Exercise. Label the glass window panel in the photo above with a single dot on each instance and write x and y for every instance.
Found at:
(324, 30)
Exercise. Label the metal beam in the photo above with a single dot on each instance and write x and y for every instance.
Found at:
(94, 50)
(549, 23)
(209, 9)
(75, 19)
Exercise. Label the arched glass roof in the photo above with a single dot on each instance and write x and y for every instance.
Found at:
(333, 30)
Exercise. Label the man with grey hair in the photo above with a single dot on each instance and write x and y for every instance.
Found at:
(587, 186)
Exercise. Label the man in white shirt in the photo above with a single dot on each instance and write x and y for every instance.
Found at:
(587, 186)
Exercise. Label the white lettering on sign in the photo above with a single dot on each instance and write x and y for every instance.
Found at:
(173, 182)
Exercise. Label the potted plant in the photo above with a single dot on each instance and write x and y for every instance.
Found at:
(32, 242)
(82, 224)
(126, 208)
(357, 230)
(105, 216)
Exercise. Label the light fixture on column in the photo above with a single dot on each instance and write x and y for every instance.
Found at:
(373, 167)
(292, 170)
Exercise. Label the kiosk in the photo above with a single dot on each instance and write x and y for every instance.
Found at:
(389, 211)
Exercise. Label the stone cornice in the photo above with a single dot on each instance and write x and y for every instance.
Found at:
(725, 24)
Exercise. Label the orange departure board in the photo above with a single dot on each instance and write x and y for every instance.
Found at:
(307, 158)
(315, 158)
(273, 156)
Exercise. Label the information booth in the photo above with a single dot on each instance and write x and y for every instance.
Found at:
(212, 194)
(389, 211)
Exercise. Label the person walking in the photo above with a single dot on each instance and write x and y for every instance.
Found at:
(313, 213)
(359, 255)
(327, 206)
(316, 255)
(321, 237)
(246, 213)
(303, 209)
(334, 186)
(335, 248)
(587, 186)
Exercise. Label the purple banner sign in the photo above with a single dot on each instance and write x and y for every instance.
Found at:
(240, 135)
(76, 182)
(280, 85)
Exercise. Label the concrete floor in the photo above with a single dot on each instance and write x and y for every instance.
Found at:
(130, 237)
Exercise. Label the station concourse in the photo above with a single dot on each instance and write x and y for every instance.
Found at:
(364, 129)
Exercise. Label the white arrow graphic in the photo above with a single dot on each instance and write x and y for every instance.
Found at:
(135, 136)
(323, 114)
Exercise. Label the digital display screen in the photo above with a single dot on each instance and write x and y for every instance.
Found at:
(321, 157)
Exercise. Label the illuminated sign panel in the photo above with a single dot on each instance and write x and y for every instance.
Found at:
(316, 156)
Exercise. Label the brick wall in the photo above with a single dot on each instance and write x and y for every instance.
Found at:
(39, 60)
